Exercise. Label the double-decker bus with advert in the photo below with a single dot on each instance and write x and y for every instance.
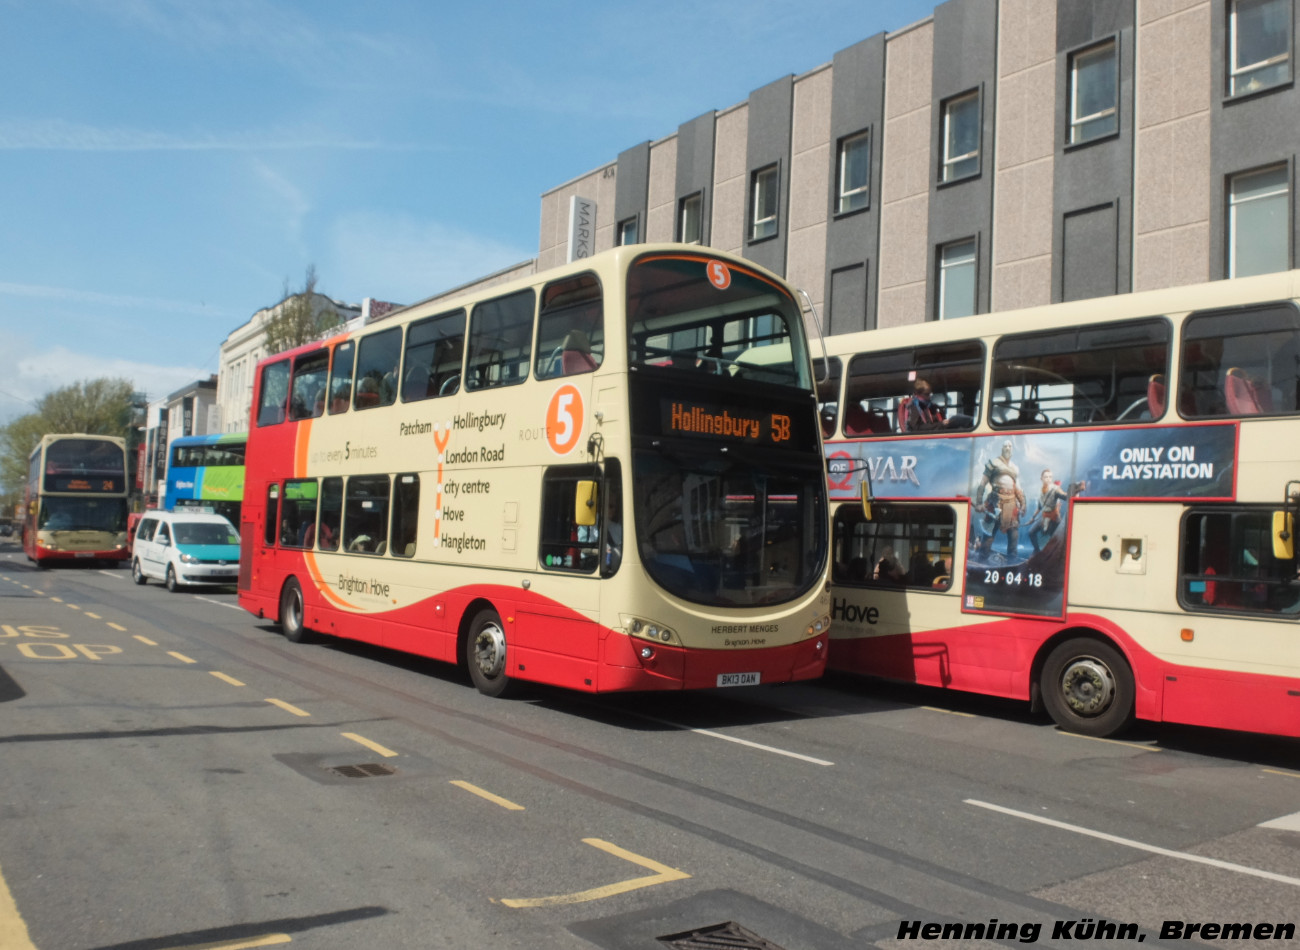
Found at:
(1087, 505)
(605, 477)
(76, 500)
(206, 472)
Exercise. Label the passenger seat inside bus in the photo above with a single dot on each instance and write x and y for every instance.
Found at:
(1156, 395)
(1245, 395)
(576, 355)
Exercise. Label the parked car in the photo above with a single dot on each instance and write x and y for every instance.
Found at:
(181, 548)
(6, 530)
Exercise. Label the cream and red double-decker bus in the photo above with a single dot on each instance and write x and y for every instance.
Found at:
(1086, 505)
(606, 477)
(76, 500)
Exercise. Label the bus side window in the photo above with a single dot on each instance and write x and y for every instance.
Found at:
(406, 514)
(1241, 362)
(570, 328)
(500, 341)
(298, 513)
(1228, 563)
(272, 513)
(307, 394)
(365, 515)
(331, 514)
(341, 377)
(566, 545)
(902, 546)
(274, 393)
(377, 361)
(431, 366)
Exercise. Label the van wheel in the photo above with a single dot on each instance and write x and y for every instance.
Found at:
(292, 614)
(137, 575)
(1087, 687)
(172, 584)
(485, 654)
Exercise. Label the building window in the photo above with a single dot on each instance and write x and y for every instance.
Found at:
(627, 231)
(1094, 83)
(690, 219)
(1258, 216)
(763, 207)
(957, 279)
(961, 137)
(1259, 43)
(854, 173)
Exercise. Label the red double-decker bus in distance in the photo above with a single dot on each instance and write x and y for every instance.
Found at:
(75, 506)
(604, 477)
(1086, 505)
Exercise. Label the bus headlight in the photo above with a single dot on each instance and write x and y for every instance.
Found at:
(647, 630)
(819, 626)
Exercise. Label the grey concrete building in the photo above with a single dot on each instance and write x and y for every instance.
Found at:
(996, 155)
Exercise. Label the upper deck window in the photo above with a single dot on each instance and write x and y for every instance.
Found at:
(434, 348)
(307, 394)
(274, 394)
(887, 392)
(500, 341)
(1241, 362)
(693, 314)
(377, 360)
(1081, 376)
(571, 328)
(341, 377)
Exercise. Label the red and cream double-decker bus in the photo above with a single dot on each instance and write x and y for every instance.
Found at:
(1087, 505)
(604, 477)
(76, 499)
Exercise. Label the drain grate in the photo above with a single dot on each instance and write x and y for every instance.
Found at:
(728, 936)
(366, 770)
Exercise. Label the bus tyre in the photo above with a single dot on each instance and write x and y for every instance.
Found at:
(485, 654)
(137, 575)
(291, 613)
(171, 582)
(1087, 687)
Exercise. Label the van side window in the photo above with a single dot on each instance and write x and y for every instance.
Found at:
(274, 393)
(146, 529)
(341, 377)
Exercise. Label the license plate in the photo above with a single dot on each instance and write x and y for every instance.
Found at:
(85, 554)
(738, 679)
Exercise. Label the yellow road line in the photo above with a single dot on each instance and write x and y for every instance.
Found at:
(117, 626)
(1280, 772)
(949, 712)
(72, 606)
(372, 746)
(229, 679)
(266, 940)
(56, 600)
(181, 656)
(1131, 745)
(663, 874)
(288, 707)
(13, 931)
(483, 793)
(93, 616)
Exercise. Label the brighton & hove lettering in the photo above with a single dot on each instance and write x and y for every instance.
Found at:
(360, 585)
(841, 609)
(479, 421)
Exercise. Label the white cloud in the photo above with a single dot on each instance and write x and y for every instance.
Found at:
(58, 135)
(405, 260)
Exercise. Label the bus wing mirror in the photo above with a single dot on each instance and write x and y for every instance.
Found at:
(584, 503)
(1283, 535)
(864, 493)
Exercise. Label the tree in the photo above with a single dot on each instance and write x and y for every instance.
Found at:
(95, 406)
(300, 317)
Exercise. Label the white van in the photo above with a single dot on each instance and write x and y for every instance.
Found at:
(185, 547)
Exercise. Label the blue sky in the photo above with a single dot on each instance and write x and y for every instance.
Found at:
(167, 166)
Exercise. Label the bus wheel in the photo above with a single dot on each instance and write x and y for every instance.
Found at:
(485, 654)
(171, 582)
(137, 575)
(291, 613)
(1088, 687)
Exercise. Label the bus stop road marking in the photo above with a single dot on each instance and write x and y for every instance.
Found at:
(484, 793)
(662, 875)
(738, 741)
(1286, 823)
(288, 707)
(13, 931)
(1139, 845)
(372, 746)
(266, 940)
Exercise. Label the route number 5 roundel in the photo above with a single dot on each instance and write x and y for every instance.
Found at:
(564, 419)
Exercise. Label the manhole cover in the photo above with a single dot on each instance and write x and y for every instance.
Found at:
(367, 770)
(730, 935)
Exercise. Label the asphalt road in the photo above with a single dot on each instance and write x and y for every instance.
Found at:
(175, 774)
